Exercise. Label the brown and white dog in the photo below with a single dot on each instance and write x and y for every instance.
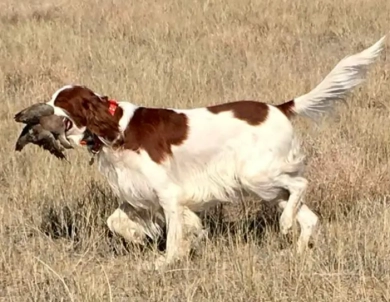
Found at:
(167, 164)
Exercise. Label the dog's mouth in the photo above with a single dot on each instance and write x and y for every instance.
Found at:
(68, 124)
(88, 139)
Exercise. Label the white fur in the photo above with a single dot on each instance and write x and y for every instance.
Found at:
(221, 156)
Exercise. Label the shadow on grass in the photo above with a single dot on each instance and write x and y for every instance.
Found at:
(84, 223)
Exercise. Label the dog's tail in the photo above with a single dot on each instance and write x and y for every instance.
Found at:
(348, 73)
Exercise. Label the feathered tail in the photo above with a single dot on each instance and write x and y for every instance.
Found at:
(348, 73)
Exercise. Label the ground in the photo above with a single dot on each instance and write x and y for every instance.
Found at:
(55, 245)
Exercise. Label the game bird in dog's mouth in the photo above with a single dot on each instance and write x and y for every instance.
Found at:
(43, 129)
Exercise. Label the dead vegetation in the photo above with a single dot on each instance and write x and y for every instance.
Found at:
(55, 245)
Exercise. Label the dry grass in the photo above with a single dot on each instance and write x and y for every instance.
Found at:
(53, 238)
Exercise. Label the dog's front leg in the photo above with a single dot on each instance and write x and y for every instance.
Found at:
(173, 212)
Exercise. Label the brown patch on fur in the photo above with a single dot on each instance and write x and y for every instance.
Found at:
(87, 109)
(155, 131)
(252, 112)
(287, 108)
(151, 129)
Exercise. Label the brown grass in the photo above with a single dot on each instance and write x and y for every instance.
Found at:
(54, 244)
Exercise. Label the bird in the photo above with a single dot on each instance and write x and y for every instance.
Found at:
(43, 128)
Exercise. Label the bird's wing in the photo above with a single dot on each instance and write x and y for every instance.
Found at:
(23, 139)
(32, 114)
(47, 141)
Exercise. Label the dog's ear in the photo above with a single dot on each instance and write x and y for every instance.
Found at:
(99, 120)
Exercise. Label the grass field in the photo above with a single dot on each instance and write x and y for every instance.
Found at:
(54, 244)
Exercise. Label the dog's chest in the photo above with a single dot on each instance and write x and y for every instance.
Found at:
(126, 181)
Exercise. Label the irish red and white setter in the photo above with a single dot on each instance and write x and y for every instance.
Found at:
(167, 164)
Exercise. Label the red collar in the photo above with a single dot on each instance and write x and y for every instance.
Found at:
(113, 106)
